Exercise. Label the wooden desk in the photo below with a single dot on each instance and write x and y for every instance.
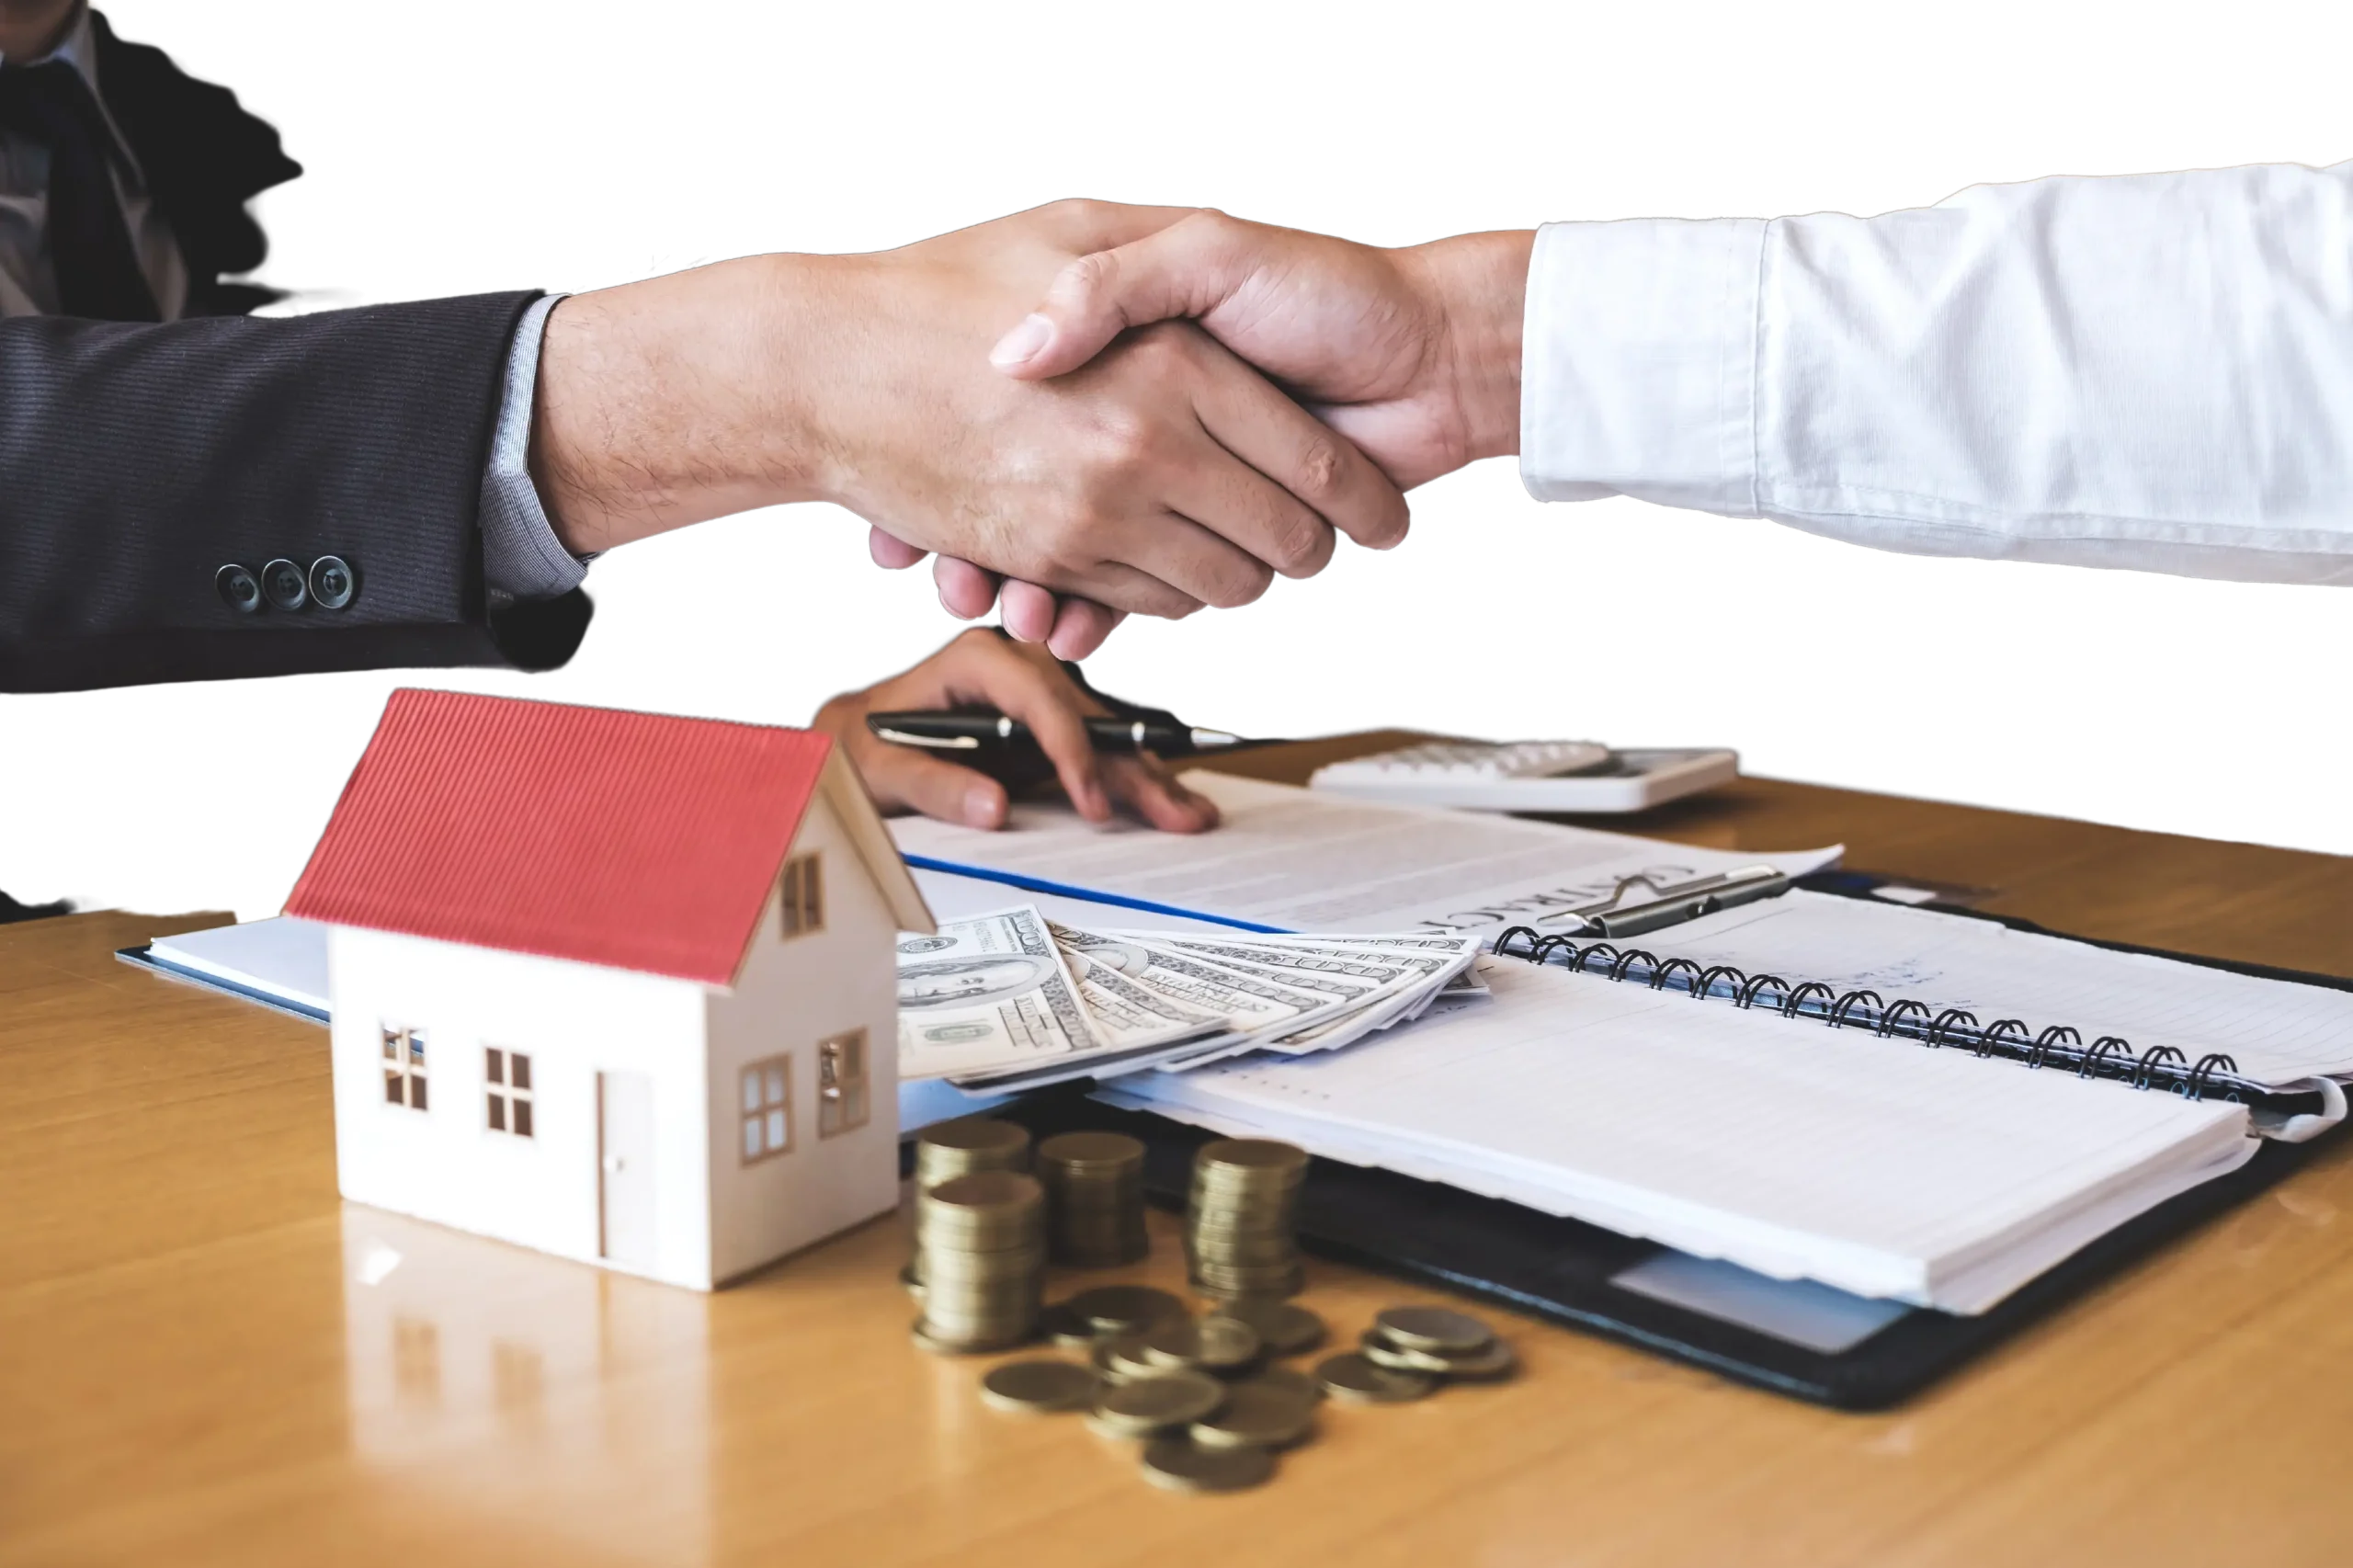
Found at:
(205, 1357)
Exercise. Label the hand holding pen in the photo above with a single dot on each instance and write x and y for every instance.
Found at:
(1048, 714)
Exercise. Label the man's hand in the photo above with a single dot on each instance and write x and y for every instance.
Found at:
(980, 669)
(1163, 476)
(1413, 354)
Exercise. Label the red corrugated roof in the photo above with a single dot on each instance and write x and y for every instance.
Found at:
(636, 840)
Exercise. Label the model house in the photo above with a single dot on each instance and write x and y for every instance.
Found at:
(618, 986)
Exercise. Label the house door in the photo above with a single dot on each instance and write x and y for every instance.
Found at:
(625, 1168)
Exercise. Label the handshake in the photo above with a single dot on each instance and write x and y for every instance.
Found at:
(1086, 411)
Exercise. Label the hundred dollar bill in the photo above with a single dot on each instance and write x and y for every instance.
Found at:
(1134, 1028)
(989, 990)
(1249, 1002)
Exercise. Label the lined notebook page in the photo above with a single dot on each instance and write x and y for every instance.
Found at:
(2279, 1031)
(1796, 1150)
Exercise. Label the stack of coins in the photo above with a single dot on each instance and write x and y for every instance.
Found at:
(1094, 1183)
(981, 1241)
(966, 1146)
(1241, 1218)
(1436, 1343)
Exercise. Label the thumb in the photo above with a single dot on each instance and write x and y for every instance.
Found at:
(1187, 269)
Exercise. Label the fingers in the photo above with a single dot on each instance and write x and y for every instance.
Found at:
(902, 777)
(1026, 610)
(1026, 684)
(1080, 627)
(966, 591)
(1185, 269)
(1324, 477)
(1144, 786)
(889, 551)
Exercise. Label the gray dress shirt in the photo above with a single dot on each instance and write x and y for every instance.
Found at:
(521, 556)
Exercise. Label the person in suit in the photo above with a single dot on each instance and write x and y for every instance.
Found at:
(190, 493)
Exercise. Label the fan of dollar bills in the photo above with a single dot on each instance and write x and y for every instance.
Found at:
(1012, 1000)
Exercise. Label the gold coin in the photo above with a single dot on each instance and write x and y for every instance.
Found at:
(1258, 1416)
(1285, 1328)
(1114, 1309)
(1350, 1377)
(1143, 1407)
(968, 1144)
(1214, 1344)
(928, 1338)
(1250, 1154)
(1439, 1329)
(1182, 1465)
(1091, 1152)
(1038, 1386)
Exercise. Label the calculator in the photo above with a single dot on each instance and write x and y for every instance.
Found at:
(1528, 776)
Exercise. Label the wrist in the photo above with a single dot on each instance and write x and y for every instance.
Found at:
(676, 399)
(1477, 287)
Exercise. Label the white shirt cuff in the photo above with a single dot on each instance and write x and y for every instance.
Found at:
(1637, 367)
(521, 558)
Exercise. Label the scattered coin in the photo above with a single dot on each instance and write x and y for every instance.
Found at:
(1182, 1465)
(1350, 1377)
(1439, 1329)
(1124, 1358)
(1493, 1364)
(1114, 1309)
(1256, 1415)
(1382, 1351)
(1210, 1344)
(1145, 1406)
(1285, 1328)
(1066, 1328)
(1038, 1386)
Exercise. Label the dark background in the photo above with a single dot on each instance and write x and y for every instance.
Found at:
(565, 156)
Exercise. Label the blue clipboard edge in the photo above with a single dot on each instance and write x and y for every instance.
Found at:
(142, 958)
(1092, 896)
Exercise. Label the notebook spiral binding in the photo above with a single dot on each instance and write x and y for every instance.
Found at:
(2110, 1056)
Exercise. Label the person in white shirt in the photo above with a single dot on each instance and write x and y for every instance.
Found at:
(2148, 371)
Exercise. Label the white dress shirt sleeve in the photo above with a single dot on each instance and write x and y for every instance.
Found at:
(521, 558)
(2151, 371)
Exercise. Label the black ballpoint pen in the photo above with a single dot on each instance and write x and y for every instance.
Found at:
(980, 731)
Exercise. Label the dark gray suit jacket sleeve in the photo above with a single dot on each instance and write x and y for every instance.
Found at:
(138, 460)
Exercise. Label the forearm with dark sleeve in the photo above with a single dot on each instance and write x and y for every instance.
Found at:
(138, 461)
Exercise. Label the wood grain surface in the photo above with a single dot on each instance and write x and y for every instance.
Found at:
(205, 1357)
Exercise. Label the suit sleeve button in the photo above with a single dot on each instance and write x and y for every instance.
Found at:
(238, 588)
(283, 581)
(331, 582)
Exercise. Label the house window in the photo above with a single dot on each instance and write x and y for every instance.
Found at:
(767, 1108)
(507, 1075)
(841, 1083)
(802, 896)
(404, 1068)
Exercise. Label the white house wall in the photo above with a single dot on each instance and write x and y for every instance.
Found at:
(574, 1020)
(789, 995)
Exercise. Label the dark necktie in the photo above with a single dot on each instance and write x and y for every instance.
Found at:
(98, 271)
